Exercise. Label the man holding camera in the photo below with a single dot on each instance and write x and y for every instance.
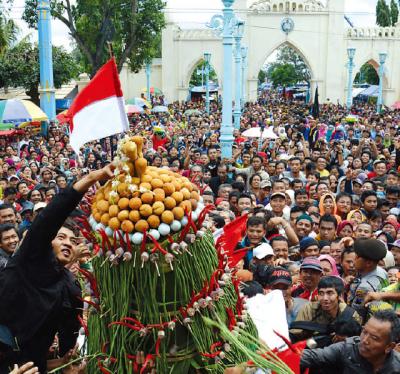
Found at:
(319, 317)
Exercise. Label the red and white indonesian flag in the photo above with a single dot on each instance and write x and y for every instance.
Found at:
(98, 110)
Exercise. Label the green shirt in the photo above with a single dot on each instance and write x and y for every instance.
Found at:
(393, 288)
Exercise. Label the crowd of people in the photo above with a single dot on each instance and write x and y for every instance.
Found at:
(323, 206)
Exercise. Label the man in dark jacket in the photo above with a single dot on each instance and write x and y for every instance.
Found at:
(372, 352)
(38, 295)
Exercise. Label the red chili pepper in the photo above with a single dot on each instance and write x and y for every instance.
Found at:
(96, 249)
(102, 368)
(157, 246)
(210, 355)
(83, 324)
(85, 223)
(170, 239)
(105, 240)
(133, 320)
(93, 284)
(128, 325)
(231, 318)
(86, 234)
(115, 241)
(146, 362)
(97, 306)
(104, 347)
(202, 215)
(128, 242)
(215, 345)
(143, 245)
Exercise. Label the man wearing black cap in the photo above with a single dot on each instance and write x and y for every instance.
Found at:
(368, 253)
(308, 247)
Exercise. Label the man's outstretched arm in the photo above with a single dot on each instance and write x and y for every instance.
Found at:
(44, 228)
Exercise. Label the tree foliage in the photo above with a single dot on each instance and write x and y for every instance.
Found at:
(383, 16)
(8, 33)
(196, 79)
(262, 76)
(284, 75)
(394, 12)
(367, 74)
(19, 67)
(287, 56)
(133, 27)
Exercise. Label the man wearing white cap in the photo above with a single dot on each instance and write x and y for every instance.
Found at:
(263, 255)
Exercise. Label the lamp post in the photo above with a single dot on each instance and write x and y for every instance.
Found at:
(382, 59)
(350, 54)
(207, 59)
(224, 25)
(46, 89)
(148, 72)
(244, 51)
(238, 34)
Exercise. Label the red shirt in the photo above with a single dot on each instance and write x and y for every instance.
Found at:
(157, 142)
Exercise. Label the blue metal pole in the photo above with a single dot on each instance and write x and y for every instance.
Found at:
(382, 59)
(148, 71)
(238, 90)
(244, 62)
(207, 68)
(350, 53)
(226, 126)
(46, 89)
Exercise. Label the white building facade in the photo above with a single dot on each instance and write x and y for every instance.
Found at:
(317, 31)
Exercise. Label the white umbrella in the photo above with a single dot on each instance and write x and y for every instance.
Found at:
(255, 132)
(160, 109)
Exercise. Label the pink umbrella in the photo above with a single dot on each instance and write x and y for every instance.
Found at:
(396, 105)
(132, 109)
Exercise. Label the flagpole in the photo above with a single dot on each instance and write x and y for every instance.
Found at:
(111, 53)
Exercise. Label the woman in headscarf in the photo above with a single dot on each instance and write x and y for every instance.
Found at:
(327, 205)
(356, 216)
(345, 229)
(328, 265)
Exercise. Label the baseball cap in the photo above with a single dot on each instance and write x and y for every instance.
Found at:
(276, 194)
(38, 206)
(13, 177)
(311, 263)
(27, 206)
(280, 275)
(396, 243)
(262, 251)
(265, 183)
(395, 211)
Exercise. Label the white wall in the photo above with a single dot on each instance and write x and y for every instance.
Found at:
(133, 84)
(319, 36)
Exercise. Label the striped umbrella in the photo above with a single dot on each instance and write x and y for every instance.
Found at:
(139, 102)
(20, 111)
(131, 109)
(153, 90)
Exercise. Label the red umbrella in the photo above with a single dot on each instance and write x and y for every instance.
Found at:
(62, 117)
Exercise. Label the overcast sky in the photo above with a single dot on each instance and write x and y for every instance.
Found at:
(194, 13)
